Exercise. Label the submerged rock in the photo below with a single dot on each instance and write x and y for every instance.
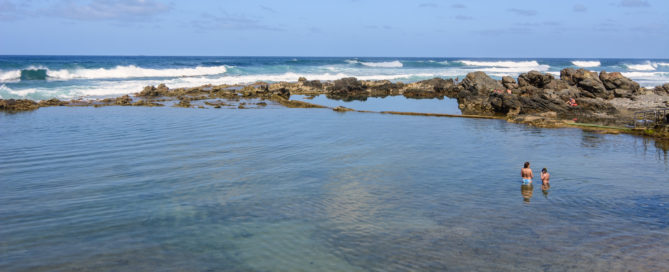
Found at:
(342, 109)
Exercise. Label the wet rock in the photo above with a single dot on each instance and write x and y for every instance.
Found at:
(282, 92)
(616, 80)
(14, 105)
(626, 93)
(261, 104)
(535, 79)
(348, 89)
(146, 103)
(151, 91)
(184, 103)
(475, 92)
(588, 81)
(298, 104)
(52, 102)
(342, 109)
(316, 84)
(125, 100)
(509, 82)
(478, 82)
(381, 88)
(504, 103)
(662, 90)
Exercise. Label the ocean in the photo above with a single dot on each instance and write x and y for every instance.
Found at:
(292, 189)
(68, 77)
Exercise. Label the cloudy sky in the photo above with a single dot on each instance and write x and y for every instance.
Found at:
(430, 28)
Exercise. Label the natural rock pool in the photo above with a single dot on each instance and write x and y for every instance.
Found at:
(277, 189)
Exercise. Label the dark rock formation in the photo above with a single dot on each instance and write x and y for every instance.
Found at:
(587, 81)
(52, 102)
(125, 100)
(509, 83)
(348, 89)
(475, 93)
(621, 86)
(535, 79)
(13, 105)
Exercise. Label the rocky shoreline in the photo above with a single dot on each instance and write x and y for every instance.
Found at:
(604, 101)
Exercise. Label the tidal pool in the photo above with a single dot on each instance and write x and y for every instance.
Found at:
(276, 189)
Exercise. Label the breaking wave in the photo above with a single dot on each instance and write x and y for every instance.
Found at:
(506, 66)
(586, 63)
(646, 66)
(383, 64)
(120, 72)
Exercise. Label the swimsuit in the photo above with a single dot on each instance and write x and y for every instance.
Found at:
(527, 181)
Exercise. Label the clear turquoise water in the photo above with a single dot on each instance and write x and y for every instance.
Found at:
(275, 189)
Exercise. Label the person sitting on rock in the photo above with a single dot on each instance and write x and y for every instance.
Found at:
(572, 102)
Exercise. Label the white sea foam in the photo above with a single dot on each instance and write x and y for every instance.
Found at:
(383, 64)
(132, 71)
(662, 63)
(646, 66)
(10, 76)
(508, 64)
(586, 63)
(9, 93)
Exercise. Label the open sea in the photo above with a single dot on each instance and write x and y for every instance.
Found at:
(280, 189)
(67, 77)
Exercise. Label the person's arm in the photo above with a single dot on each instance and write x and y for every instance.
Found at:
(531, 175)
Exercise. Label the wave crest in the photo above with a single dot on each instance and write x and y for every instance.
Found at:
(382, 64)
(120, 72)
(586, 63)
(646, 66)
(132, 71)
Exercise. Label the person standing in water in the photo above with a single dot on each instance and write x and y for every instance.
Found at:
(526, 174)
(545, 177)
(545, 181)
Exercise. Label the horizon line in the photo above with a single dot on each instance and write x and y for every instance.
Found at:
(314, 56)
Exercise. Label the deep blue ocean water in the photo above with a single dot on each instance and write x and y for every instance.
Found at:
(66, 77)
(277, 189)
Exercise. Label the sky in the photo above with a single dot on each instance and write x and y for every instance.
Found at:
(392, 28)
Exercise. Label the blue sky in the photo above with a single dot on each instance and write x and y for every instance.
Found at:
(436, 28)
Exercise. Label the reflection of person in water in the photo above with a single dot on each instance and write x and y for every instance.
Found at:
(526, 192)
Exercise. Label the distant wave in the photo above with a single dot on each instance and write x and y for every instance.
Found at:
(586, 63)
(508, 64)
(646, 66)
(383, 64)
(120, 72)
(506, 67)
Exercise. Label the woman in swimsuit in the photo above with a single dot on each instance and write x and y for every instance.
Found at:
(526, 173)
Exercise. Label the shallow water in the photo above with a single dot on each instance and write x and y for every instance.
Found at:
(132, 188)
(389, 103)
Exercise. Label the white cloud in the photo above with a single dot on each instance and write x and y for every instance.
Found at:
(634, 3)
(109, 9)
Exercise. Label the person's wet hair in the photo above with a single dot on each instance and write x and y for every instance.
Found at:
(527, 164)
(544, 170)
